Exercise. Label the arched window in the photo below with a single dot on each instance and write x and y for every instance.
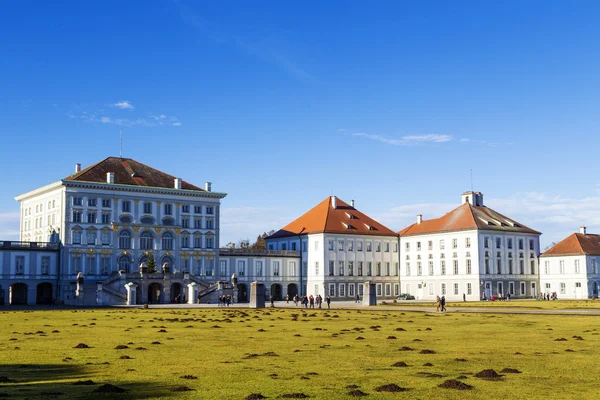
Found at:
(146, 241)
(124, 262)
(124, 240)
(167, 241)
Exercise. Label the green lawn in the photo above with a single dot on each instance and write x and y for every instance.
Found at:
(521, 304)
(318, 353)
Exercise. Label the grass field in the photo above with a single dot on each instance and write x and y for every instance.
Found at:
(521, 304)
(232, 353)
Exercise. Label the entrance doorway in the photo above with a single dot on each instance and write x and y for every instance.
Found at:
(276, 291)
(44, 293)
(18, 294)
(154, 293)
(176, 296)
(292, 290)
(242, 293)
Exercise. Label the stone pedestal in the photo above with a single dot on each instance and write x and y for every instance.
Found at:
(131, 293)
(257, 295)
(99, 294)
(369, 294)
(192, 293)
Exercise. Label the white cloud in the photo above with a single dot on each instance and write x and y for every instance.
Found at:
(176, 124)
(124, 105)
(409, 140)
(105, 120)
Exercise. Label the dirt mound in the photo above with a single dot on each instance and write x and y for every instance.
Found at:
(182, 389)
(510, 371)
(428, 365)
(462, 377)
(156, 343)
(391, 387)
(125, 358)
(560, 339)
(82, 346)
(405, 348)
(577, 338)
(121, 347)
(570, 351)
(460, 360)
(141, 348)
(84, 383)
(294, 396)
(357, 393)
(108, 388)
(360, 338)
(391, 337)
(425, 351)
(352, 386)
(487, 374)
(400, 330)
(188, 377)
(454, 384)
(255, 396)
(400, 364)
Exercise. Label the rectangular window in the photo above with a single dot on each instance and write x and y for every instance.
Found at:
(546, 267)
(92, 202)
(105, 203)
(185, 222)
(500, 288)
(185, 208)
(342, 289)
(197, 222)
(360, 268)
(511, 288)
(469, 289)
(532, 264)
(126, 206)
(147, 208)
(522, 286)
(510, 266)
(419, 268)
(76, 216)
(468, 266)
(487, 265)
(197, 241)
(577, 266)
(77, 201)
(378, 269)
(456, 289)
(332, 289)
(430, 267)
(241, 268)
(577, 284)
(76, 264)
(395, 247)
(378, 247)
(223, 268)
(106, 218)
(562, 266)
(369, 268)
(331, 268)
(351, 290)
(210, 242)
(486, 242)
(350, 268)
(91, 237)
(522, 267)
(531, 244)
(547, 286)
(360, 289)
(185, 241)
(454, 243)
(104, 265)
(388, 289)
(91, 217)
(350, 245)
(455, 267)
(340, 245)
(407, 246)
(443, 267)
(76, 237)
(331, 245)
(316, 268)
(379, 291)
(418, 246)
(430, 245)
(407, 269)
(45, 270)
(210, 210)
(431, 288)
(442, 244)
(197, 209)
(443, 289)
(369, 246)
(387, 247)
(292, 269)
(387, 269)
(509, 243)
(396, 289)
(520, 244)
(498, 266)
(396, 269)
(275, 268)
(563, 288)
(498, 243)
(168, 209)
(467, 242)
(359, 246)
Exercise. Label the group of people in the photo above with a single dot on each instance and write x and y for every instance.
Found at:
(311, 301)
(499, 297)
(440, 303)
(547, 296)
(225, 300)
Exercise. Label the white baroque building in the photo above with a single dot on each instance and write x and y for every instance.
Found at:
(340, 249)
(472, 251)
(571, 268)
(111, 216)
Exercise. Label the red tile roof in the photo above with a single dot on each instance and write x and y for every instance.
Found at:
(576, 244)
(466, 217)
(129, 172)
(343, 219)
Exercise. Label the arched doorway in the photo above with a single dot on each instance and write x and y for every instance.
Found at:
(155, 293)
(1, 296)
(595, 286)
(242, 293)
(18, 294)
(276, 291)
(292, 290)
(176, 295)
(44, 293)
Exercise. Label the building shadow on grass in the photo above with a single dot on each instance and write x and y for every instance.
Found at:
(70, 381)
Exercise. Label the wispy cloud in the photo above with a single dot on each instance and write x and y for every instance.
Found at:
(9, 225)
(124, 105)
(409, 140)
(272, 50)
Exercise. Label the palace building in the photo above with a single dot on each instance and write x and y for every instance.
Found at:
(472, 251)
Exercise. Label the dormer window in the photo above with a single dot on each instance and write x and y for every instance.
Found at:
(351, 216)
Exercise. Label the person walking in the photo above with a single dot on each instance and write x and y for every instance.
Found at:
(319, 300)
(357, 298)
(437, 304)
(287, 299)
(272, 301)
(464, 297)
(443, 303)
(311, 300)
(296, 300)
(328, 300)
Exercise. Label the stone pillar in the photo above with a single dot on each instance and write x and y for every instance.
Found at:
(79, 291)
(31, 294)
(369, 294)
(257, 295)
(131, 293)
(99, 294)
(192, 293)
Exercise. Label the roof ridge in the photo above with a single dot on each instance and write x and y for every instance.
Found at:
(579, 242)
(327, 214)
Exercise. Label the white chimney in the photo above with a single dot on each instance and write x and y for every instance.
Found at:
(110, 177)
(419, 218)
(334, 202)
(352, 203)
(77, 167)
(582, 229)
(207, 186)
(177, 183)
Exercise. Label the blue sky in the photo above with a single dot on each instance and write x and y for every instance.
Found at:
(281, 104)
